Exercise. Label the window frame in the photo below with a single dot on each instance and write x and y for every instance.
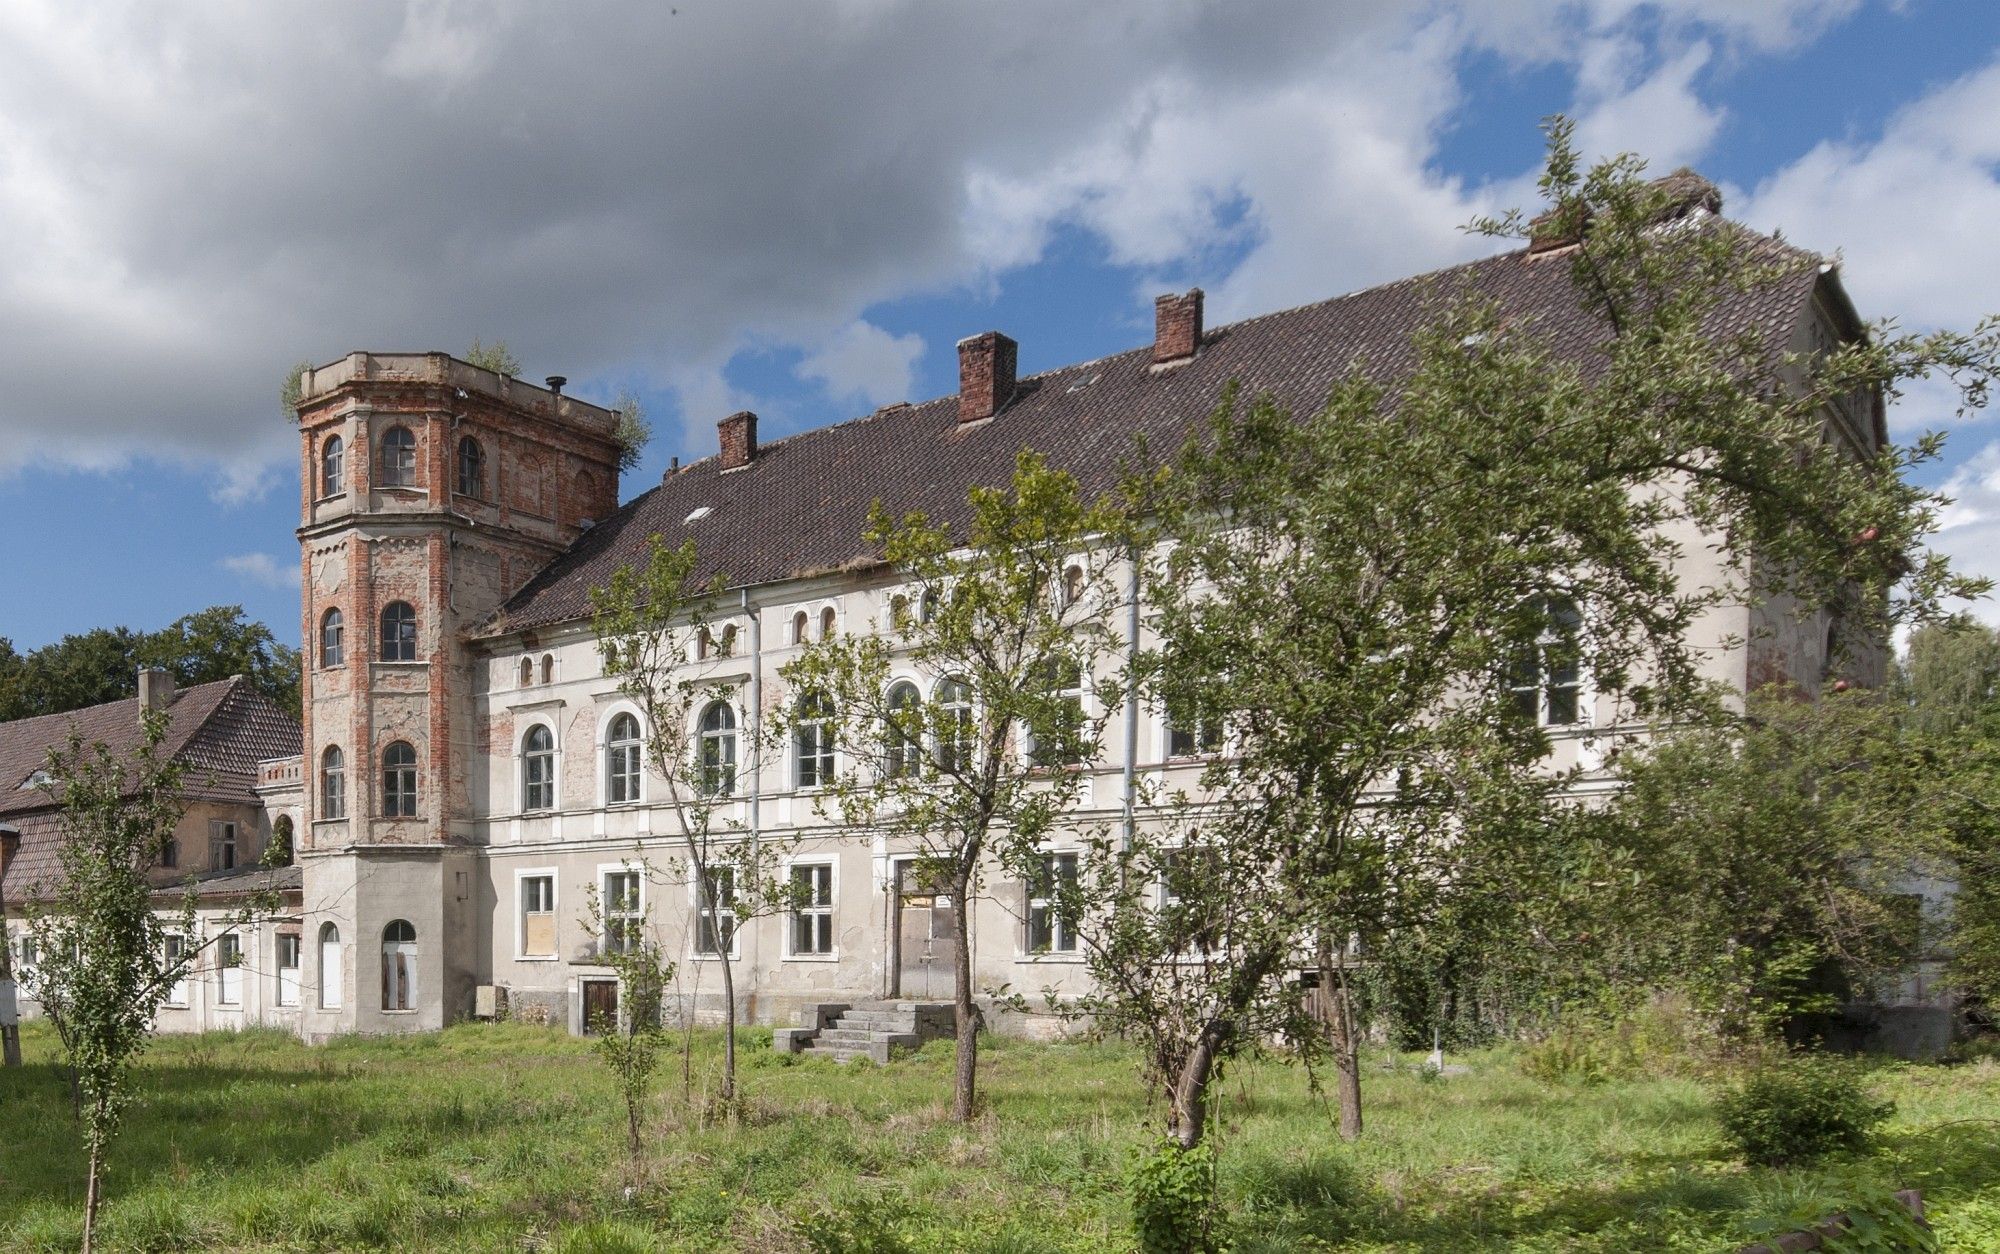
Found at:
(822, 911)
(228, 959)
(173, 947)
(298, 948)
(400, 469)
(332, 784)
(332, 639)
(522, 876)
(707, 920)
(406, 785)
(1056, 668)
(710, 745)
(1532, 676)
(1044, 903)
(398, 636)
(329, 936)
(622, 922)
(471, 457)
(952, 698)
(820, 721)
(224, 844)
(405, 964)
(905, 753)
(628, 777)
(538, 795)
(332, 467)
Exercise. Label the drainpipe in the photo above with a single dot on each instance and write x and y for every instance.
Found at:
(10, 1013)
(756, 719)
(1131, 703)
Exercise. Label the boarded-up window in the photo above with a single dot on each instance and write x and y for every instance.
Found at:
(538, 916)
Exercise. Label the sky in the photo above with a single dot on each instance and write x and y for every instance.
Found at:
(800, 208)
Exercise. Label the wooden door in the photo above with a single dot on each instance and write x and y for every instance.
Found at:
(600, 1006)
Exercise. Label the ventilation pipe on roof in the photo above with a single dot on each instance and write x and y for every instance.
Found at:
(739, 439)
(1176, 327)
(555, 382)
(156, 689)
(985, 374)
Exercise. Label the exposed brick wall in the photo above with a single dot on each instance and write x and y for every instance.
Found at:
(739, 439)
(1176, 326)
(985, 375)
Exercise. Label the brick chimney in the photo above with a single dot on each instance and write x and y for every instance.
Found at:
(985, 375)
(1176, 326)
(739, 439)
(156, 689)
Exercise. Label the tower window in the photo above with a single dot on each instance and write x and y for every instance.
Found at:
(332, 466)
(330, 625)
(399, 781)
(471, 468)
(332, 783)
(399, 632)
(399, 966)
(397, 467)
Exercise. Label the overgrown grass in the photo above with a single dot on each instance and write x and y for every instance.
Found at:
(511, 1138)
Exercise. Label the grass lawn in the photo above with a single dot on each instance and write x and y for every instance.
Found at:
(511, 1138)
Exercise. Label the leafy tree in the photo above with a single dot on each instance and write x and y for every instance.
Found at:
(1386, 596)
(84, 669)
(496, 357)
(654, 634)
(292, 389)
(632, 1049)
(106, 967)
(1950, 675)
(963, 723)
(219, 642)
(634, 430)
(92, 667)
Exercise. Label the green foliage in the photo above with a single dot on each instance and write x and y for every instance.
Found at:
(868, 1225)
(634, 430)
(1175, 1209)
(1797, 1109)
(102, 664)
(1852, 1213)
(292, 389)
(496, 357)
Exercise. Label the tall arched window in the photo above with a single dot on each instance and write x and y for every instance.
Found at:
(1072, 586)
(399, 632)
(333, 783)
(329, 967)
(548, 668)
(332, 466)
(1545, 683)
(527, 672)
(471, 468)
(954, 726)
(827, 618)
(927, 605)
(718, 750)
(812, 741)
(399, 966)
(538, 769)
(621, 760)
(799, 621)
(399, 781)
(396, 466)
(905, 731)
(330, 626)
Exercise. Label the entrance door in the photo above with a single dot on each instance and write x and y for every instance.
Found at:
(600, 1006)
(924, 913)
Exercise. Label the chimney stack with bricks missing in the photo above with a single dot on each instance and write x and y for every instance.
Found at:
(985, 375)
(1176, 327)
(739, 439)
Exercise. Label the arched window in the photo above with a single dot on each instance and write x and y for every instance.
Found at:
(397, 465)
(718, 750)
(799, 621)
(399, 781)
(330, 624)
(399, 632)
(826, 621)
(927, 607)
(399, 966)
(1057, 739)
(954, 725)
(548, 668)
(333, 783)
(329, 967)
(899, 611)
(812, 741)
(538, 769)
(332, 466)
(527, 672)
(471, 468)
(725, 645)
(1545, 682)
(621, 760)
(703, 642)
(1072, 586)
(905, 731)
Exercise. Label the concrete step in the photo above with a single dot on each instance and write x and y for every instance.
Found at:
(848, 1036)
(876, 1022)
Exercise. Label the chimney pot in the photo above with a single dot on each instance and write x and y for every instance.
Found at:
(156, 689)
(739, 439)
(985, 375)
(1176, 326)
(555, 382)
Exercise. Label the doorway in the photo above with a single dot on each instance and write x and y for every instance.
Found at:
(925, 912)
(600, 1006)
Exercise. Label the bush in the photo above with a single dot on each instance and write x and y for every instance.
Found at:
(1798, 1109)
(1174, 1209)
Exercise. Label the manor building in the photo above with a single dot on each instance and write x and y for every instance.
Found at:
(470, 778)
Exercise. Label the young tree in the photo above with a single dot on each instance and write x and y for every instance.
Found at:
(655, 634)
(631, 1049)
(106, 967)
(496, 357)
(1395, 597)
(966, 723)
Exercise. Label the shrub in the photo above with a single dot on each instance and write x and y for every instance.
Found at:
(1797, 1109)
(1174, 1208)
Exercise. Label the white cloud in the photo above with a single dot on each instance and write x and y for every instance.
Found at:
(1969, 528)
(863, 362)
(272, 572)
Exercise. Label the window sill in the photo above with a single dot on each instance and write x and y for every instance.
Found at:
(537, 957)
(400, 1012)
(735, 957)
(1068, 957)
(832, 957)
(384, 661)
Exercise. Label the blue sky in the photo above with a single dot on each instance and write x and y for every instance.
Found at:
(800, 209)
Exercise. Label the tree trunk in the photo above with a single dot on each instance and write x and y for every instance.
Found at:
(1187, 1096)
(728, 1028)
(966, 1071)
(93, 1194)
(1337, 1005)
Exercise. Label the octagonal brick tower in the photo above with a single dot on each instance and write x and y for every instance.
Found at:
(432, 489)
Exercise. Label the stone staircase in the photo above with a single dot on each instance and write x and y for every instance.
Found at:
(877, 1031)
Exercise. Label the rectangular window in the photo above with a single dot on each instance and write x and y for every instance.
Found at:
(538, 916)
(1192, 732)
(229, 970)
(176, 950)
(717, 933)
(623, 911)
(288, 969)
(221, 845)
(1050, 929)
(812, 909)
(170, 853)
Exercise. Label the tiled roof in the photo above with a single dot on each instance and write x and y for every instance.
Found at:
(220, 730)
(800, 506)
